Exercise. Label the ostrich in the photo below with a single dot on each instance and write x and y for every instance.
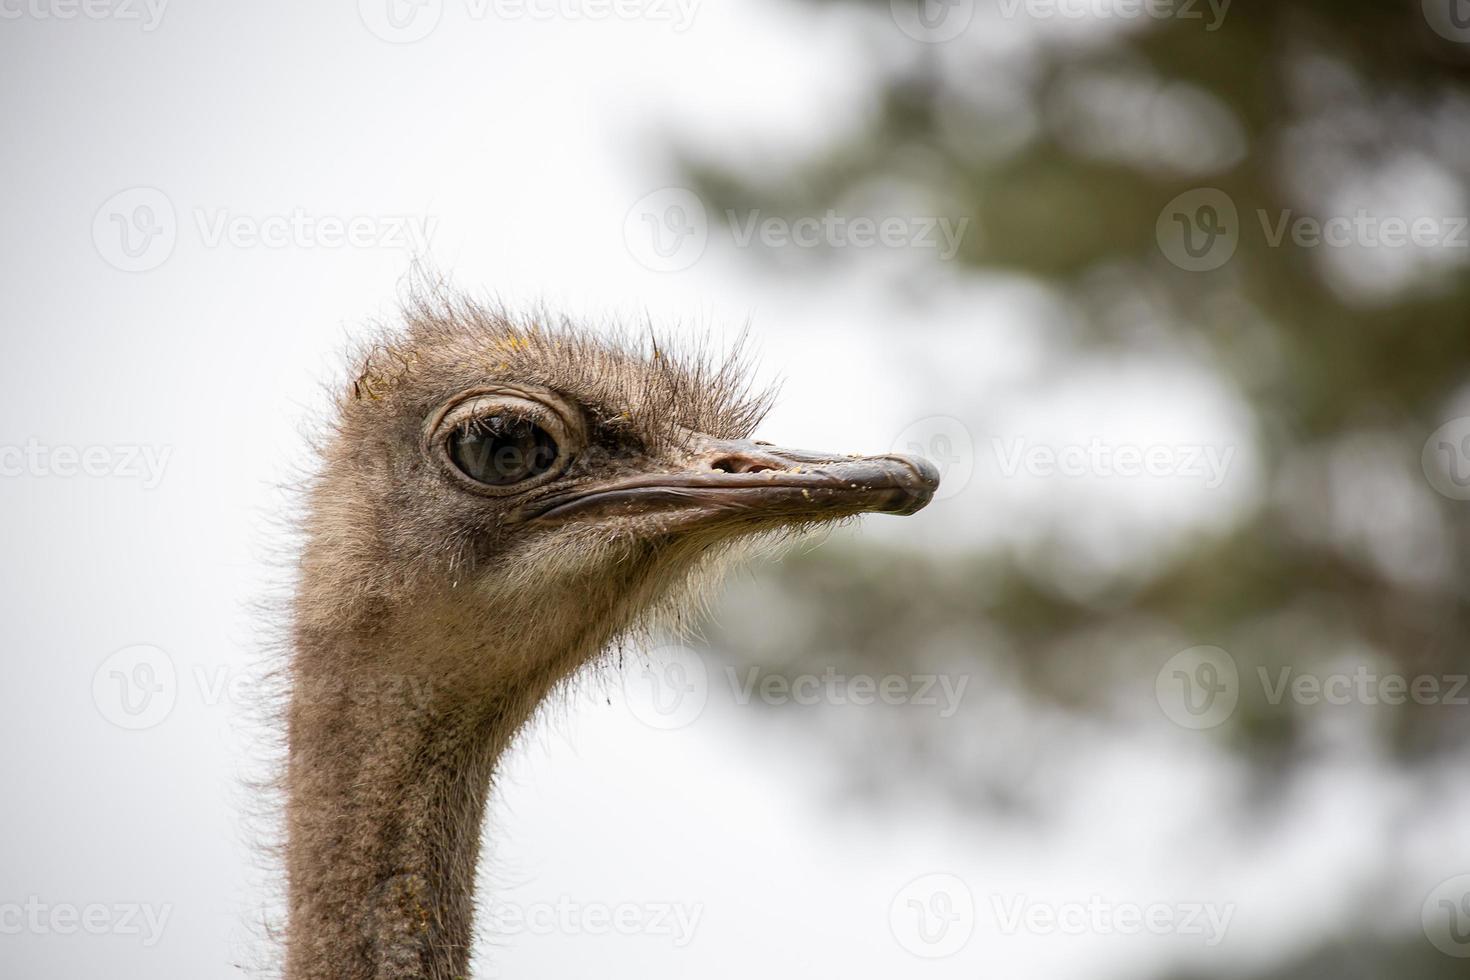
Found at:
(499, 501)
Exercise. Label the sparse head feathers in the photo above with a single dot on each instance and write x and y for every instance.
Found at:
(635, 381)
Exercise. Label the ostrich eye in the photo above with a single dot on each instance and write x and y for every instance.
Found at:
(501, 450)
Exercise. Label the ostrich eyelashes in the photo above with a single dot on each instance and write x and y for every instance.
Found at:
(504, 440)
(500, 450)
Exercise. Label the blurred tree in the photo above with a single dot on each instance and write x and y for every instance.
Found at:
(1082, 152)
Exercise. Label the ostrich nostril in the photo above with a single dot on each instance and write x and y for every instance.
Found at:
(741, 464)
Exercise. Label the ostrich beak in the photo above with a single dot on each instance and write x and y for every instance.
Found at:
(740, 481)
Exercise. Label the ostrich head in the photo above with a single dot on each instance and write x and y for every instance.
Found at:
(499, 502)
(520, 494)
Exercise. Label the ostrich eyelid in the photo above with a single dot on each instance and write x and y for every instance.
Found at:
(545, 408)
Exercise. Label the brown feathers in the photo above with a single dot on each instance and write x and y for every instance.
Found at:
(650, 386)
(409, 584)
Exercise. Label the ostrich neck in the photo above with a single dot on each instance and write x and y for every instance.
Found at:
(386, 790)
(397, 720)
